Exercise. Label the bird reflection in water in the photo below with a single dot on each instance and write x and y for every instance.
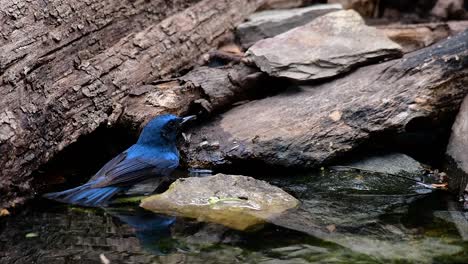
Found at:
(152, 230)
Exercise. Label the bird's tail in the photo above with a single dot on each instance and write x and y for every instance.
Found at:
(85, 195)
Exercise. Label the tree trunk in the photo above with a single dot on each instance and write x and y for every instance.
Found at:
(67, 67)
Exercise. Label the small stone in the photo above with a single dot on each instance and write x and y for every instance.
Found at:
(203, 144)
(331, 228)
(31, 235)
(4, 212)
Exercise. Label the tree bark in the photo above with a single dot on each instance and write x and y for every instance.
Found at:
(67, 67)
(313, 125)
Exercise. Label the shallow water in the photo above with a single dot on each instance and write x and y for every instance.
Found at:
(343, 218)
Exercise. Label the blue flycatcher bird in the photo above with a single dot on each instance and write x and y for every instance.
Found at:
(154, 155)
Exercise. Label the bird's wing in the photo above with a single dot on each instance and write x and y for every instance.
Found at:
(121, 170)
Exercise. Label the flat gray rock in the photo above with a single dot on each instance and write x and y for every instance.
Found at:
(269, 23)
(329, 45)
(393, 163)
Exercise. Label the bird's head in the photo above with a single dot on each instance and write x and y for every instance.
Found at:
(162, 130)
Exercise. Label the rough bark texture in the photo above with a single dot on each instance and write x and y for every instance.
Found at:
(313, 125)
(68, 69)
(417, 36)
(203, 88)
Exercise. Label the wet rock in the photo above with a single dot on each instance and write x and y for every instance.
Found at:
(369, 229)
(312, 125)
(367, 8)
(393, 163)
(457, 150)
(329, 45)
(368, 221)
(238, 202)
(267, 24)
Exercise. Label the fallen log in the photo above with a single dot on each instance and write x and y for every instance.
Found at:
(313, 125)
(70, 69)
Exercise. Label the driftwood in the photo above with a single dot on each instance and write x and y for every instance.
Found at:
(313, 125)
(68, 67)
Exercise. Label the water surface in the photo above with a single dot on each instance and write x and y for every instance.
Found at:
(343, 218)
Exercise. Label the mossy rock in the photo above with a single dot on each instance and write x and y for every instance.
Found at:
(238, 202)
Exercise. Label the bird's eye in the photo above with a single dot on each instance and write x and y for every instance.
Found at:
(171, 125)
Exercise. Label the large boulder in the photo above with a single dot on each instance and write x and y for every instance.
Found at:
(238, 202)
(269, 23)
(329, 45)
(313, 125)
(457, 150)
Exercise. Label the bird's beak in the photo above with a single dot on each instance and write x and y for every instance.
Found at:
(187, 118)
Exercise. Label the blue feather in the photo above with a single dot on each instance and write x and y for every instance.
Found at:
(154, 155)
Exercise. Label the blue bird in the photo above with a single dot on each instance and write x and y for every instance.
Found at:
(154, 154)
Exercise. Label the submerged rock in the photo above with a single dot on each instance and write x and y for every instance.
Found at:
(377, 220)
(267, 24)
(457, 150)
(238, 202)
(393, 163)
(329, 45)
